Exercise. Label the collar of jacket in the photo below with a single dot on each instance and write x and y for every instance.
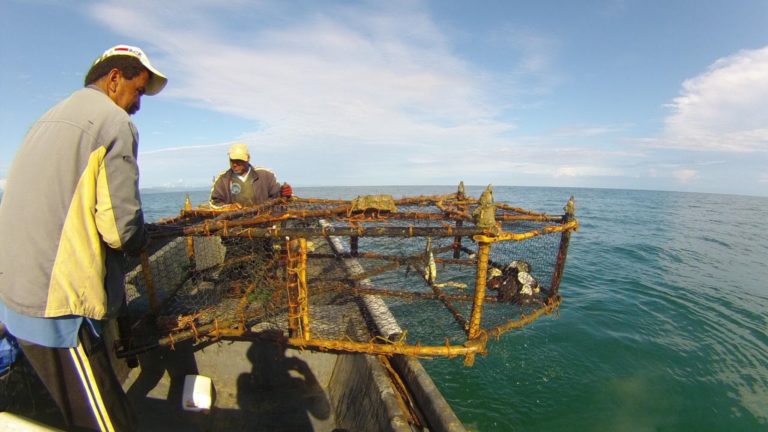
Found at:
(252, 174)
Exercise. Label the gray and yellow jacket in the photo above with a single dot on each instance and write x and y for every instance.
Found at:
(70, 209)
(260, 185)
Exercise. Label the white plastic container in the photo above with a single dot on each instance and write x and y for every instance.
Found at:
(197, 393)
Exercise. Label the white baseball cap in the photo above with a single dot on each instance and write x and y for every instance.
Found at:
(156, 79)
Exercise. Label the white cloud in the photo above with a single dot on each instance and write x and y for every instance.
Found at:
(373, 87)
(588, 131)
(725, 108)
(586, 170)
(685, 175)
(348, 72)
(367, 79)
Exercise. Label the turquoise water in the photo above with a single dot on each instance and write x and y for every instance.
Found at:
(663, 326)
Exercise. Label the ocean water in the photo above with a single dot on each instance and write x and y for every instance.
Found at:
(663, 325)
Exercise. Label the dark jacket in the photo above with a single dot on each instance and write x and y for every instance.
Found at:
(260, 186)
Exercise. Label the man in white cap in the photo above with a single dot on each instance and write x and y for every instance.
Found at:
(245, 185)
(70, 212)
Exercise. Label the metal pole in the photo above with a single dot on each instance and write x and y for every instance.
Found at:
(565, 238)
(474, 332)
(146, 271)
(190, 239)
(457, 241)
(292, 285)
(303, 289)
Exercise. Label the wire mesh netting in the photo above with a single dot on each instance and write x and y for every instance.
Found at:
(417, 275)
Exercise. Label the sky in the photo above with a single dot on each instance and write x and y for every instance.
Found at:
(629, 94)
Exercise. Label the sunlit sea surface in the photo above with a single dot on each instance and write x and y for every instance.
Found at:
(663, 325)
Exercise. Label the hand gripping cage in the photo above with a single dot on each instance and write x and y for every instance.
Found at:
(423, 276)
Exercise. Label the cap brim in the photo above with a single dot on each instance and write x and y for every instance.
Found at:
(157, 80)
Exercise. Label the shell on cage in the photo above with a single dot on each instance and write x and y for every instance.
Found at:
(519, 265)
(514, 284)
(373, 203)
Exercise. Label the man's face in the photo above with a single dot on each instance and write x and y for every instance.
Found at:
(239, 167)
(129, 91)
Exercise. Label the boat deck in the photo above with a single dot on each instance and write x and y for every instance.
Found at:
(260, 385)
(257, 387)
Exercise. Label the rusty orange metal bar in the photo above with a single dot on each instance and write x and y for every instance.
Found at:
(292, 286)
(146, 271)
(476, 346)
(506, 236)
(562, 252)
(298, 291)
(303, 289)
(524, 320)
(229, 330)
(483, 251)
(190, 239)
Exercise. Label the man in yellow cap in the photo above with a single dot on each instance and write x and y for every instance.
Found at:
(70, 212)
(245, 185)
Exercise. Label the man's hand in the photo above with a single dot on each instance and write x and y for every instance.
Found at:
(286, 191)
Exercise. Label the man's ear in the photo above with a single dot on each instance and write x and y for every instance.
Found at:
(113, 79)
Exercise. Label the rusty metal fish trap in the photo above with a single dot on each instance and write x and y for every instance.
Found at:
(432, 275)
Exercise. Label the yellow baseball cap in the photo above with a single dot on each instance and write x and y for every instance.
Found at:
(156, 79)
(239, 152)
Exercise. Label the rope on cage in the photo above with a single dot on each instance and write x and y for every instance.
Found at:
(448, 349)
(194, 332)
(172, 344)
(216, 331)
